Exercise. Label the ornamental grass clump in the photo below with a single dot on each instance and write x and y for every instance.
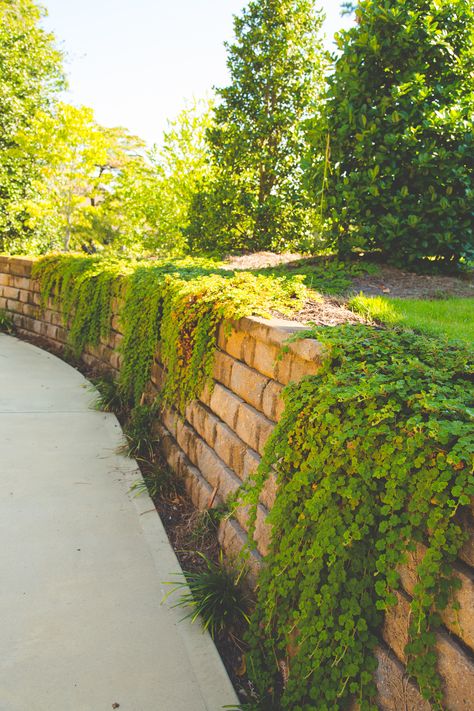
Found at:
(215, 595)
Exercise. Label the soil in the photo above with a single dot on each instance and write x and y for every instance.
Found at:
(389, 282)
(259, 260)
(329, 311)
(393, 282)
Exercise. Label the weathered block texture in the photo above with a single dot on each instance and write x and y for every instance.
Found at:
(219, 443)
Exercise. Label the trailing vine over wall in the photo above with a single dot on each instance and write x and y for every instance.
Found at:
(373, 456)
(177, 304)
(82, 288)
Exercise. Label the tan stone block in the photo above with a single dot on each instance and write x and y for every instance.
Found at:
(27, 323)
(206, 394)
(269, 492)
(4, 279)
(169, 420)
(117, 324)
(21, 266)
(232, 538)
(284, 367)
(248, 350)
(20, 282)
(248, 384)
(242, 515)
(265, 359)
(4, 264)
(3, 302)
(223, 364)
(18, 320)
(51, 331)
(301, 368)
(14, 306)
(208, 463)
(35, 298)
(395, 691)
(186, 438)
(225, 404)
(308, 349)
(266, 429)
(251, 462)
(10, 293)
(233, 344)
(207, 423)
(229, 447)
(247, 425)
(457, 671)
(229, 483)
(61, 335)
(272, 402)
(460, 622)
(30, 310)
(116, 360)
(455, 666)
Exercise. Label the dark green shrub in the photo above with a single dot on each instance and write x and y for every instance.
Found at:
(399, 114)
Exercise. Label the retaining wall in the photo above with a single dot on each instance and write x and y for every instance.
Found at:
(219, 443)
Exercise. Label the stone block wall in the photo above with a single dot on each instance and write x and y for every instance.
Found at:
(220, 442)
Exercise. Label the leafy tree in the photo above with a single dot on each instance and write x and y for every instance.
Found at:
(79, 161)
(150, 203)
(30, 73)
(399, 117)
(255, 198)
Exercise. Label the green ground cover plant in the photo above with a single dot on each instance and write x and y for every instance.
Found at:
(6, 322)
(452, 318)
(178, 303)
(373, 456)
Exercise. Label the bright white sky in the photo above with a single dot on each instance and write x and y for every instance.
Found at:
(136, 62)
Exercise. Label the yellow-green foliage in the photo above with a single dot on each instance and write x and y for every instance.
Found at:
(82, 288)
(178, 303)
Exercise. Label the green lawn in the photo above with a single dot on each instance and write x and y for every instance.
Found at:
(453, 318)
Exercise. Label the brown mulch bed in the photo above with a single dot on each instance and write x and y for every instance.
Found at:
(259, 260)
(393, 282)
(329, 311)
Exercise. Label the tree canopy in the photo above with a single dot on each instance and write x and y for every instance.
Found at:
(399, 117)
(30, 74)
(256, 197)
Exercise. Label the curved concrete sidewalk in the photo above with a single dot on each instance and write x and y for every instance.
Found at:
(82, 626)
